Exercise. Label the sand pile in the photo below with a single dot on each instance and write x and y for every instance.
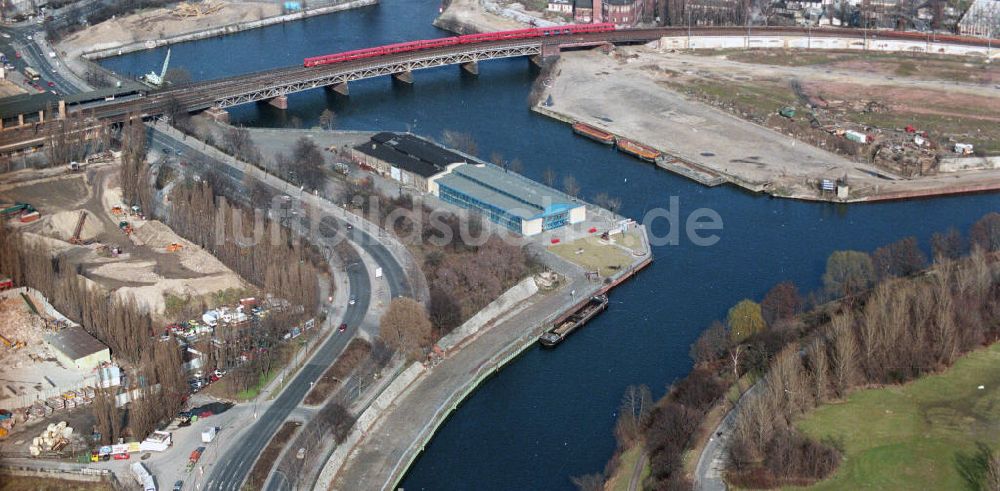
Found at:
(128, 271)
(62, 225)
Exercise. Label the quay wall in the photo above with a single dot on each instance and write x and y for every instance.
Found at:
(117, 50)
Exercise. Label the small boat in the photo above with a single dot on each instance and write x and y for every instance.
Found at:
(639, 151)
(599, 136)
(562, 330)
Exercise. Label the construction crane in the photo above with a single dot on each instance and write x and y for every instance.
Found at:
(75, 239)
(155, 80)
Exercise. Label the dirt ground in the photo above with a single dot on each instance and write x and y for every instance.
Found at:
(164, 22)
(467, 16)
(916, 66)
(145, 269)
(657, 99)
(24, 483)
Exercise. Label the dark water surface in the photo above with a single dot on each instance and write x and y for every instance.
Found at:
(549, 414)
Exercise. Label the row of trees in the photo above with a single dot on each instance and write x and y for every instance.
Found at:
(255, 247)
(813, 351)
(900, 330)
(154, 368)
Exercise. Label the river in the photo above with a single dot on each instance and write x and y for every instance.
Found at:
(549, 414)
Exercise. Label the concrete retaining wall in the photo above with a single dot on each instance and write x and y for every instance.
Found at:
(516, 294)
(968, 163)
(367, 419)
(808, 42)
(116, 50)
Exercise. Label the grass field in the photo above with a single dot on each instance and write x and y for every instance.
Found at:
(912, 437)
(594, 255)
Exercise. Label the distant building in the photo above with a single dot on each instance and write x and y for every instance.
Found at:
(583, 11)
(76, 348)
(561, 6)
(982, 19)
(518, 203)
(405, 158)
(623, 12)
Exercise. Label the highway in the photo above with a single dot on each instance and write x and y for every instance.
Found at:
(232, 469)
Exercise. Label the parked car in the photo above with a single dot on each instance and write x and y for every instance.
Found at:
(52, 84)
(343, 327)
(179, 486)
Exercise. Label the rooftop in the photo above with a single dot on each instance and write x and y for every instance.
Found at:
(74, 342)
(27, 103)
(508, 191)
(410, 153)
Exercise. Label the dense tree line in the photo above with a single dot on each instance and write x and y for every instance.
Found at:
(466, 269)
(881, 318)
(154, 368)
(254, 246)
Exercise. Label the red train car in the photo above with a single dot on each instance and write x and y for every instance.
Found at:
(451, 41)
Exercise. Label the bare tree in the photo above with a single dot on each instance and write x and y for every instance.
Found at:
(549, 177)
(462, 142)
(327, 119)
(570, 186)
(633, 413)
(845, 351)
(406, 328)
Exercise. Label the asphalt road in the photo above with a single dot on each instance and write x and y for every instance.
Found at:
(231, 469)
(32, 55)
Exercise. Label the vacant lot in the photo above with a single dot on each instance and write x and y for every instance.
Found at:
(928, 67)
(913, 436)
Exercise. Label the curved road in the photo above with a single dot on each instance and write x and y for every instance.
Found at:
(232, 468)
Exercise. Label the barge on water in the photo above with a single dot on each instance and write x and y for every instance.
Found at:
(561, 331)
(599, 136)
(639, 151)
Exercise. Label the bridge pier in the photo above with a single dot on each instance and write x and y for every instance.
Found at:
(471, 67)
(340, 88)
(217, 114)
(404, 77)
(280, 102)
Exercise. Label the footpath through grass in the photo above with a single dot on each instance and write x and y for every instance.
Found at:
(913, 436)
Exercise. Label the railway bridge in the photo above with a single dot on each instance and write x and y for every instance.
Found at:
(274, 85)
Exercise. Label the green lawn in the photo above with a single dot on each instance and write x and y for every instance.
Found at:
(910, 437)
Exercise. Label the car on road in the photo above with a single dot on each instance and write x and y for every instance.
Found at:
(52, 84)
(17, 54)
(5, 35)
(343, 327)
(353, 300)
(179, 485)
(29, 37)
(348, 226)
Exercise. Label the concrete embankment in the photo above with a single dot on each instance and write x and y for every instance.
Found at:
(108, 51)
(379, 456)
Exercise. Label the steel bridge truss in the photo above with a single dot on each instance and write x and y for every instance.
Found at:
(326, 78)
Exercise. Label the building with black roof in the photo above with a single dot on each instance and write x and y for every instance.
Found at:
(406, 158)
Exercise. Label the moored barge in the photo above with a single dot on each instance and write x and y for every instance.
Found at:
(639, 151)
(599, 136)
(562, 330)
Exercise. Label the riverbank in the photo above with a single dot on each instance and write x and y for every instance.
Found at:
(469, 17)
(135, 32)
(628, 94)
(382, 454)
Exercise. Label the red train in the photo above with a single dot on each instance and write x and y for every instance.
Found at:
(451, 41)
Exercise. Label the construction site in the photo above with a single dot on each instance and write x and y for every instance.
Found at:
(80, 216)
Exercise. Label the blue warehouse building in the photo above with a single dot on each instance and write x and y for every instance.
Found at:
(509, 199)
